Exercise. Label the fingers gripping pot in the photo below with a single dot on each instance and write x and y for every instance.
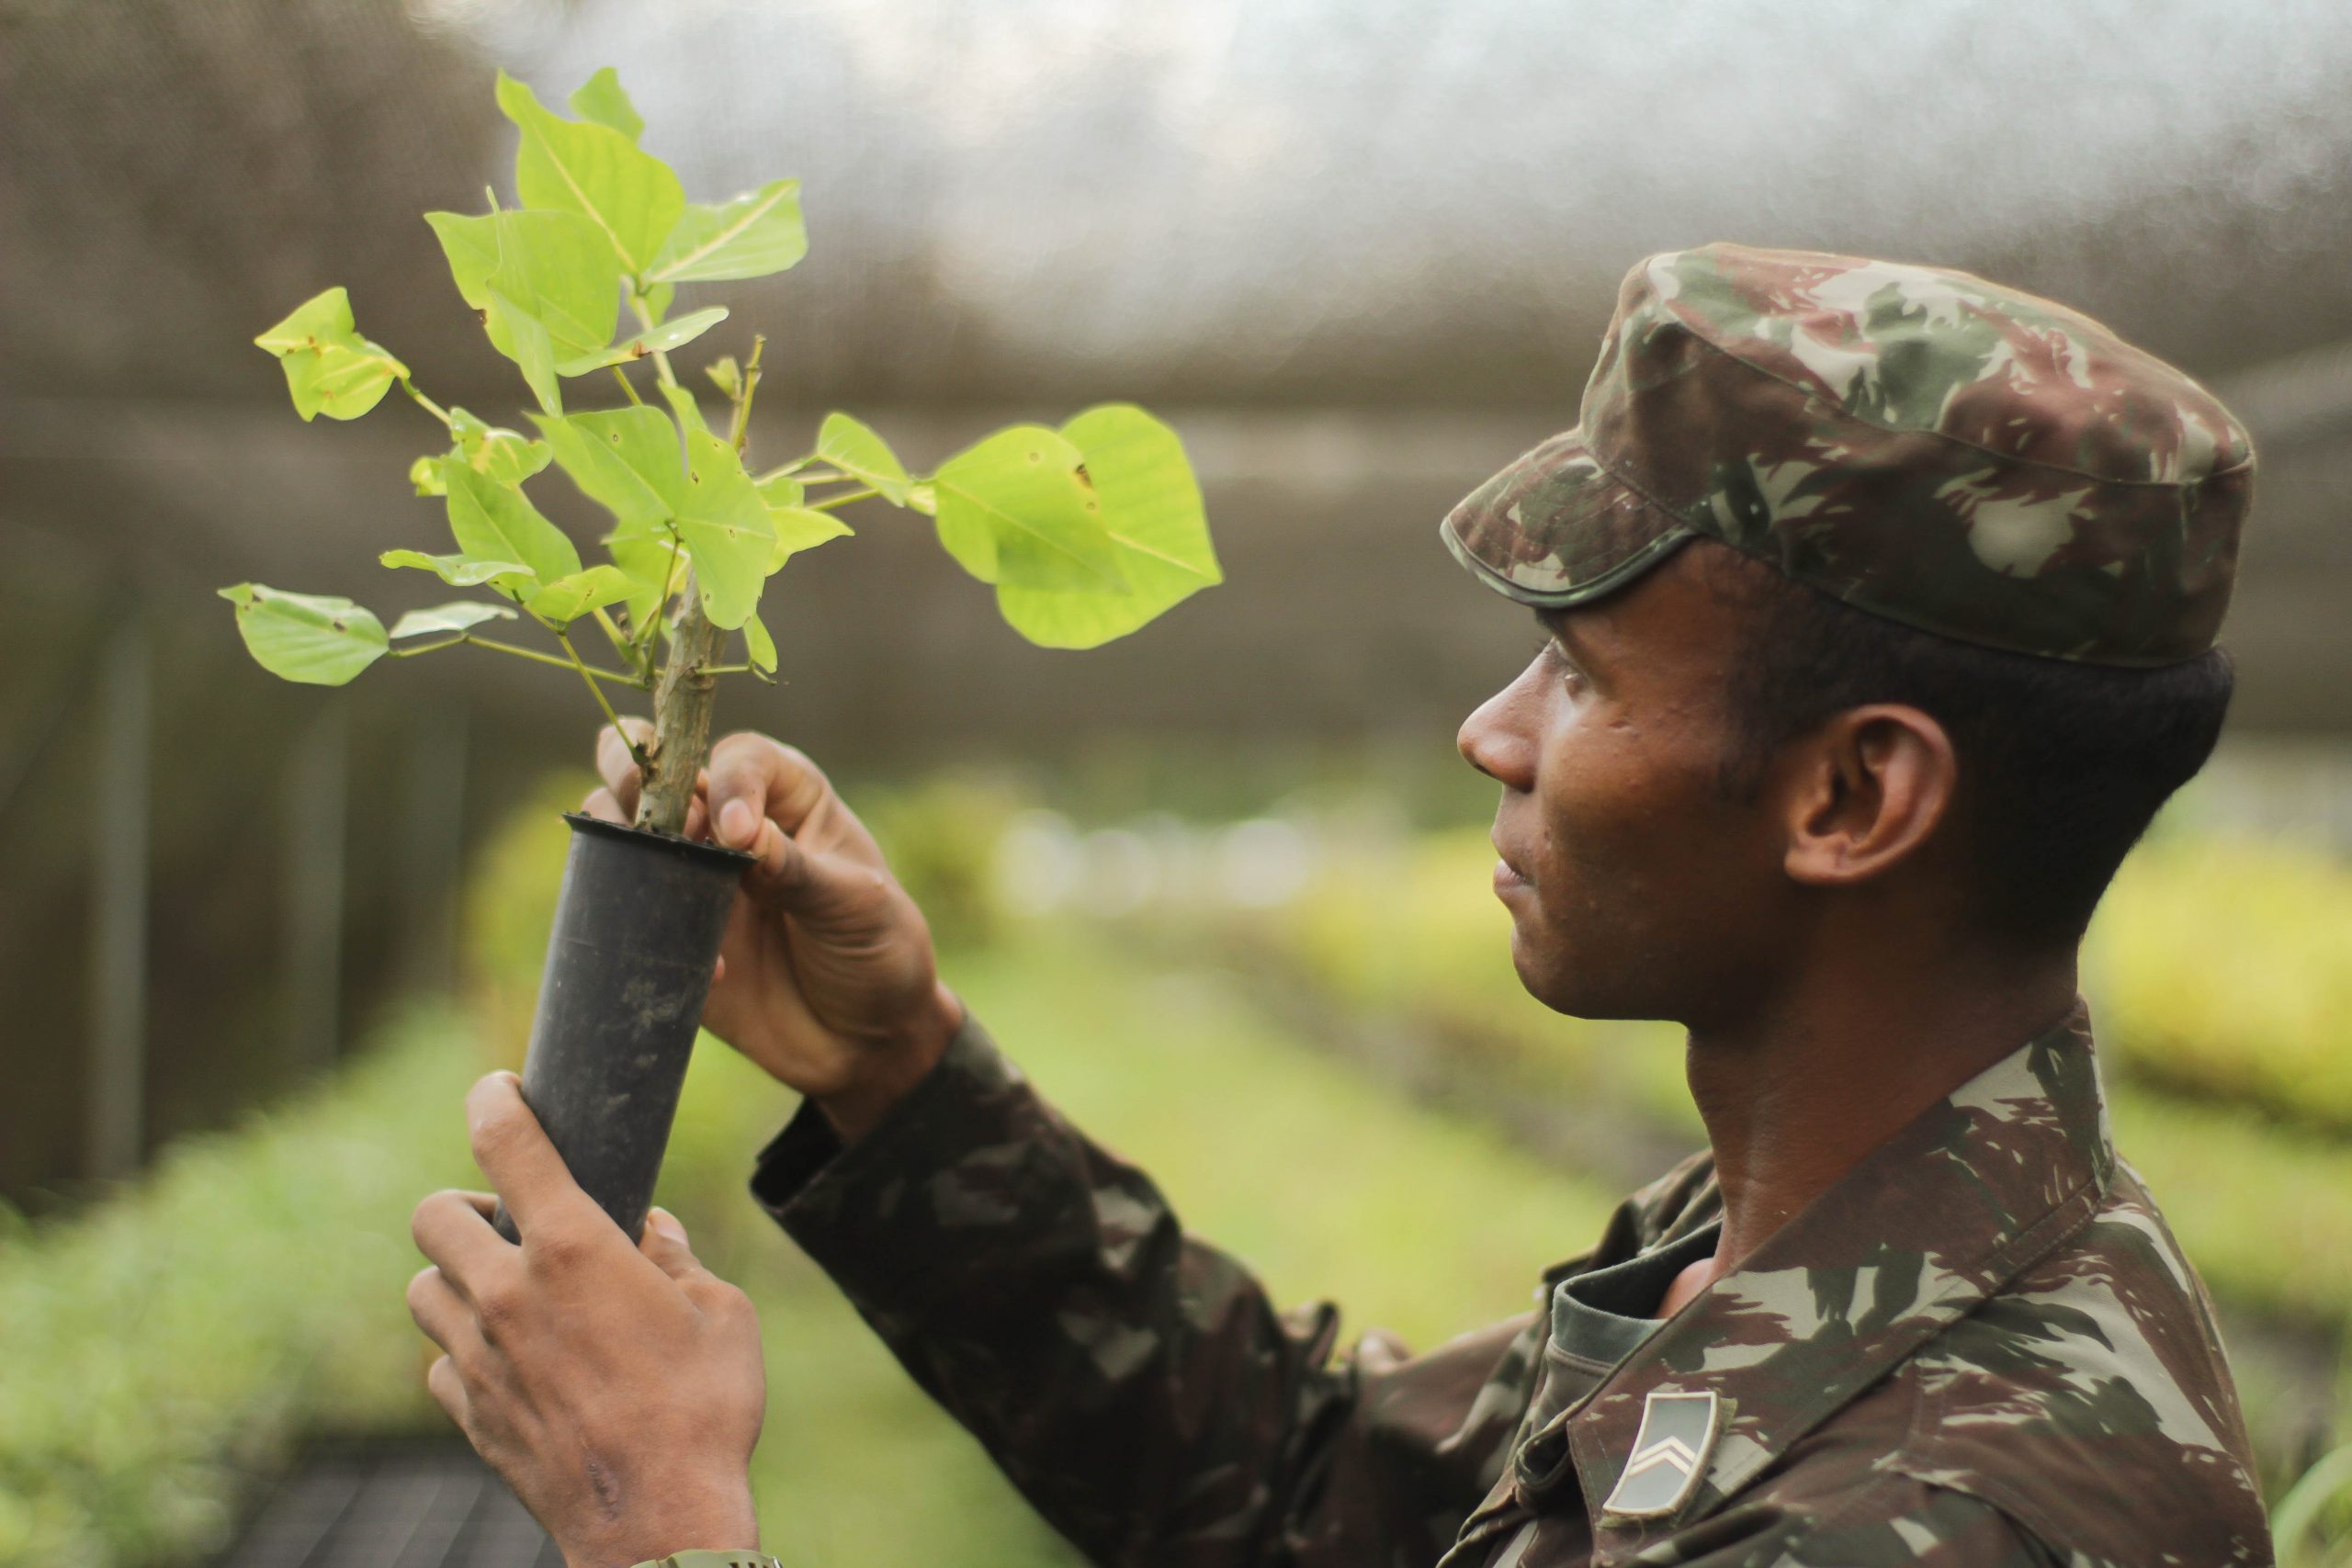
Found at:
(637, 924)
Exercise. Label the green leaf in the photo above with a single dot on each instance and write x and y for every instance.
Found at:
(496, 521)
(312, 639)
(568, 598)
(757, 234)
(759, 648)
(600, 98)
(799, 528)
(854, 449)
(1013, 509)
(524, 339)
(646, 557)
(725, 524)
(463, 570)
(1150, 506)
(724, 375)
(924, 496)
(657, 299)
(682, 403)
(652, 340)
(632, 197)
(544, 283)
(625, 460)
(782, 491)
(507, 457)
(330, 368)
(426, 475)
(447, 618)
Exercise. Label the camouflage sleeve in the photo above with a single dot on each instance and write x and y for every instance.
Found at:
(1881, 1521)
(1136, 1385)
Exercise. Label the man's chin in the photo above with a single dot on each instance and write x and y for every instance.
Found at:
(1561, 982)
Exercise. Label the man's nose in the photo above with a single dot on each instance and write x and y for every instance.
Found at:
(1494, 740)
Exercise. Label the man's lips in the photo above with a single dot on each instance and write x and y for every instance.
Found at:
(1507, 875)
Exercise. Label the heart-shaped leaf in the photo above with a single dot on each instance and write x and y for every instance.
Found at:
(1013, 509)
(1150, 506)
(600, 98)
(632, 197)
(496, 521)
(506, 457)
(757, 234)
(330, 368)
(759, 648)
(854, 449)
(464, 570)
(625, 460)
(568, 598)
(655, 565)
(447, 618)
(544, 282)
(800, 528)
(725, 523)
(652, 340)
(312, 639)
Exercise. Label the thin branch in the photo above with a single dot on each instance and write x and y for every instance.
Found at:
(831, 501)
(661, 357)
(427, 646)
(636, 753)
(427, 404)
(723, 670)
(748, 382)
(537, 657)
(644, 639)
(622, 376)
(613, 634)
(783, 471)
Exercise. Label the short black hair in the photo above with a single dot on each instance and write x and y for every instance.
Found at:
(2063, 765)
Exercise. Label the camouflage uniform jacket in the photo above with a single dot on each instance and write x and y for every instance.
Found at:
(1980, 1347)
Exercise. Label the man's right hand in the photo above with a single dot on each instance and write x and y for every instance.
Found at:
(826, 976)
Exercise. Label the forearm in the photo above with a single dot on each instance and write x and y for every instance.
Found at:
(1137, 1386)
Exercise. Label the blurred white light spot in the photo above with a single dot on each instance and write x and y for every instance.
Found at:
(1262, 862)
(1122, 872)
(1038, 863)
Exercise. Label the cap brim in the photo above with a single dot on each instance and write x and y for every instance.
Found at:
(1556, 528)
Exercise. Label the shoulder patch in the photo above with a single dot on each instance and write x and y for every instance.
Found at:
(1669, 1454)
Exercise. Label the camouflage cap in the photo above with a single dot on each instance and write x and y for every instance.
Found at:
(1921, 444)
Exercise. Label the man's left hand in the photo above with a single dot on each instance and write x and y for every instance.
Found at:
(618, 1389)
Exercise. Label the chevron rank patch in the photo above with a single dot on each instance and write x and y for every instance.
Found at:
(1669, 1455)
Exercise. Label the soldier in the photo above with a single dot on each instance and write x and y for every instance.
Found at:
(1881, 605)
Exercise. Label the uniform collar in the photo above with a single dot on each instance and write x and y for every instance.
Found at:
(1940, 1217)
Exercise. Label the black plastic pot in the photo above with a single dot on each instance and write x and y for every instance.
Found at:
(636, 930)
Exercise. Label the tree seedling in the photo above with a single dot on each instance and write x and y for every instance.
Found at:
(1086, 532)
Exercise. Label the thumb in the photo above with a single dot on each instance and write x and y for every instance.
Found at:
(789, 876)
(665, 1243)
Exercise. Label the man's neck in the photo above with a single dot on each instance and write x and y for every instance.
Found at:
(1796, 1094)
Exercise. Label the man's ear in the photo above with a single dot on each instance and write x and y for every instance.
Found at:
(1870, 787)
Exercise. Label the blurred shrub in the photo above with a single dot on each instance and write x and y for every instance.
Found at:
(940, 836)
(169, 1345)
(508, 909)
(1412, 925)
(2223, 966)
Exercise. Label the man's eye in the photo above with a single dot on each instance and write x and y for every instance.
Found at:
(1549, 650)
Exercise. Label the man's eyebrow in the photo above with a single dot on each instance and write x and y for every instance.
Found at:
(1555, 626)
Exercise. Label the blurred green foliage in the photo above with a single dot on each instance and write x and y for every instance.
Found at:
(194, 1329)
(249, 1292)
(2223, 968)
(164, 1349)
